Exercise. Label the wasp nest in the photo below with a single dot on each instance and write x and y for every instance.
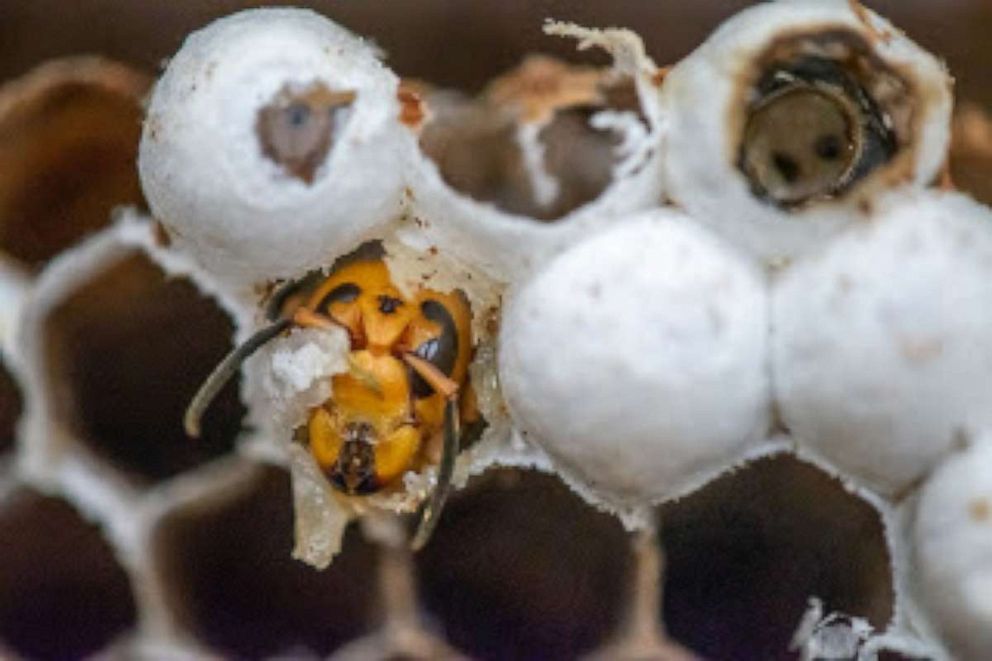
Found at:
(593, 331)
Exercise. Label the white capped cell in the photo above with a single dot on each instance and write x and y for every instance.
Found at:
(953, 550)
(271, 145)
(637, 359)
(792, 116)
(881, 353)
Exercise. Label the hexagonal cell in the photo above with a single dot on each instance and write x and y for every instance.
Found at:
(233, 582)
(11, 405)
(519, 567)
(747, 551)
(125, 353)
(527, 144)
(68, 142)
(64, 595)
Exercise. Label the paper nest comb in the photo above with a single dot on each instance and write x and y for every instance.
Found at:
(737, 276)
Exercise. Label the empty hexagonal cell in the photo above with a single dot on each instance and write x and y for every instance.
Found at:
(520, 567)
(68, 142)
(11, 405)
(63, 593)
(529, 144)
(746, 552)
(233, 583)
(125, 353)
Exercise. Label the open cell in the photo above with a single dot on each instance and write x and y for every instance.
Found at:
(126, 352)
(764, 540)
(825, 112)
(529, 144)
(68, 142)
(520, 567)
(63, 593)
(233, 583)
(11, 405)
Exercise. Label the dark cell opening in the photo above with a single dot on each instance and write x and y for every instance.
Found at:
(747, 551)
(822, 114)
(126, 352)
(787, 167)
(68, 147)
(297, 129)
(519, 567)
(235, 585)
(474, 144)
(828, 146)
(11, 406)
(899, 656)
(63, 594)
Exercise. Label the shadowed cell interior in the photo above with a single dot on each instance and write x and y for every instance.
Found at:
(747, 551)
(972, 173)
(233, 582)
(67, 158)
(62, 593)
(896, 656)
(971, 152)
(128, 349)
(519, 567)
(11, 406)
(475, 145)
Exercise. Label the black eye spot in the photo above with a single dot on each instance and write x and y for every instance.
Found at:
(786, 166)
(297, 129)
(389, 304)
(344, 293)
(828, 147)
(297, 115)
(440, 351)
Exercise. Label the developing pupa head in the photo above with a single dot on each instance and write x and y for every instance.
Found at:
(296, 130)
(819, 114)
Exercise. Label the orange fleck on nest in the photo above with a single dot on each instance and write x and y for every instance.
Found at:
(981, 510)
(658, 79)
(413, 110)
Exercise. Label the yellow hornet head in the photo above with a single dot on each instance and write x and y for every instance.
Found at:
(399, 406)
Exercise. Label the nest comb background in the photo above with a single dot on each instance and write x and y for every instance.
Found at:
(520, 568)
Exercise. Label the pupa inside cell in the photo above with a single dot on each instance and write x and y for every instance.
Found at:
(400, 403)
(297, 129)
(822, 113)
